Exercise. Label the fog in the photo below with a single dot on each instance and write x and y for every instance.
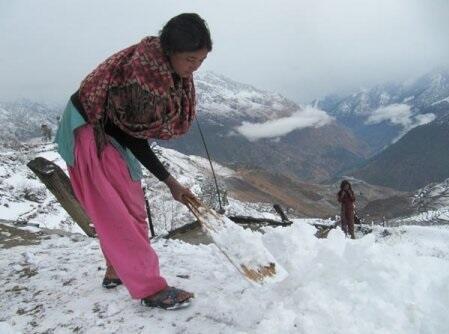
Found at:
(302, 49)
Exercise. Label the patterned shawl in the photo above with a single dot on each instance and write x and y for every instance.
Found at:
(136, 89)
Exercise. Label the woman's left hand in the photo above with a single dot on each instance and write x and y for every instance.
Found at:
(178, 191)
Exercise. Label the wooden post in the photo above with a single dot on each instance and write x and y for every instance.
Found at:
(281, 213)
(59, 185)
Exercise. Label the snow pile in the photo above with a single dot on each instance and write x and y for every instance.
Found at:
(393, 284)
(244, 249)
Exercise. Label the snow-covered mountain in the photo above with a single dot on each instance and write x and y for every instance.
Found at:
(429, 89)
(431, 206)
(380, 115)
(22, 120)
(426, 206)
(363, 124)
(312, 153)
(221, 97)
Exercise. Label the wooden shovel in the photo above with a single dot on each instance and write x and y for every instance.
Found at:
(243, 248)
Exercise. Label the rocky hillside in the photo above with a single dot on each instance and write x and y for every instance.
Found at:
(426, 206)
(420, 157)
(22, 120)
(310, 153)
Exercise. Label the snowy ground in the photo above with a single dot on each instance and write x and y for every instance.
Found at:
(394, 284)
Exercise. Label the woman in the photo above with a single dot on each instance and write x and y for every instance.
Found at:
(347, 198)
(144, 91)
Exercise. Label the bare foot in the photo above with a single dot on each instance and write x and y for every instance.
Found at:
(110, 273)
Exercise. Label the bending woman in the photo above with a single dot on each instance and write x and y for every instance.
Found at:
(144, 91)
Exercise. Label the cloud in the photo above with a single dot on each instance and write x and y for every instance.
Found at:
(399, 114)
(45, 53)
(304, 118)
(424, 119)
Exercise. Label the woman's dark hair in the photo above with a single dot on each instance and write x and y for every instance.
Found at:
(344, 183)
(186, 32)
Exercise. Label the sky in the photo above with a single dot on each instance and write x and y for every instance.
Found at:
(303, 49)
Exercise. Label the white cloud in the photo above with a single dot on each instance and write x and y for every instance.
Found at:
(424, 119)
(307, 117)
(399, 114)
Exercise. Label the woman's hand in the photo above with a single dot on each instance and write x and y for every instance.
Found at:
(178, 191)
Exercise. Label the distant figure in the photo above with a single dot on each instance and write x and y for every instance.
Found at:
(46, 132)
(347, 198)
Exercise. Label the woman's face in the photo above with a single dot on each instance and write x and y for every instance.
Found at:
(346, 187)
(185, 63)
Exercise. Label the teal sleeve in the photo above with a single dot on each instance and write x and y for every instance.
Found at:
(65, 140)
(65, 136)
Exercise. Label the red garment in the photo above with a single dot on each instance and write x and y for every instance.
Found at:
(347, 199)
(137, 89)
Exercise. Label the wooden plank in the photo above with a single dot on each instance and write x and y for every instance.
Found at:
(54, 178)
(244, 249)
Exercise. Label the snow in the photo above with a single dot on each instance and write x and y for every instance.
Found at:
(228, 99)
(424, 218)
(5, 328)
(243, 248)
(408, 99)
(396, 284)
(441, 101)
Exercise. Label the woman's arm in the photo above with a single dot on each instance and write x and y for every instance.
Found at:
(143, 152)
(351, 195)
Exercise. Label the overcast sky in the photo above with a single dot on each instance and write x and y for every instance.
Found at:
(303, 49)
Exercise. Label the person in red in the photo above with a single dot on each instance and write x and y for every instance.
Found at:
(144, 91)
(346, 198)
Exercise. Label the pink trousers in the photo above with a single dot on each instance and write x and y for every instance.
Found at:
(116, 205)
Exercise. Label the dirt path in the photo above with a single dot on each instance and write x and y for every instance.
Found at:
(11, 236)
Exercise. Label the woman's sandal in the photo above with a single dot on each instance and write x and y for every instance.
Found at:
(168, 299)
(110, 283)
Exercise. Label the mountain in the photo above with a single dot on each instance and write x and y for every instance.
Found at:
(420, 157)
(359, 126)
(303, 199)
(426, 206)
(22, 120)
(313, 153)
(244, 192)
(381, 115)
